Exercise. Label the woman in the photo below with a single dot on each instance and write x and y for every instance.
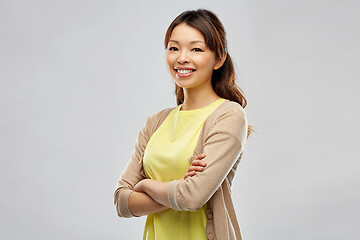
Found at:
(185, 157)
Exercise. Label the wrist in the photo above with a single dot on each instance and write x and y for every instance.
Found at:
(140, 186)
(145, 184)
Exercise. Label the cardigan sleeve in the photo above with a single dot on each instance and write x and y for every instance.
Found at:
(133, 172)
(224, 142)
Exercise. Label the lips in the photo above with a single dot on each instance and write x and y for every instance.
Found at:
(184, 72)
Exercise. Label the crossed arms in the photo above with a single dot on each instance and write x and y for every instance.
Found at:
(224, 141)
(151, 196)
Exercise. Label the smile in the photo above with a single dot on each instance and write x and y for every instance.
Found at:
(184, 72)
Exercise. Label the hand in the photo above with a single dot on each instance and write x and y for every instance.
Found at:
(197, 165)
(139, 187)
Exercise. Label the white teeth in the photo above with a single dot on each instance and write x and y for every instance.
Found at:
(183, 71)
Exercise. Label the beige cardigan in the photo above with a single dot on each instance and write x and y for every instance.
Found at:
(222, 139)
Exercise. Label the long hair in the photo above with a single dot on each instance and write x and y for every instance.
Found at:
(223, 79)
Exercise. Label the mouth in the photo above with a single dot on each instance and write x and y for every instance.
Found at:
(184, 72)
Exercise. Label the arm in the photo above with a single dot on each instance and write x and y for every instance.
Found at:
(141, 200)
(224, 142)
(159, 190)
(141, 204)
(155, 189)
(138, 204)
(127, 202)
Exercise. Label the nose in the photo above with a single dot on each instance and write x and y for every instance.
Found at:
(183, 57)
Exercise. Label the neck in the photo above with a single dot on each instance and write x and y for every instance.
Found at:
(197, 98)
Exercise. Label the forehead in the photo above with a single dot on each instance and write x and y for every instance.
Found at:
(185, 33)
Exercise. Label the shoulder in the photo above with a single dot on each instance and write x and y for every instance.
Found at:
(229, 118)
(231, 106)
(154, 120)
(160, 114)
(228, 109)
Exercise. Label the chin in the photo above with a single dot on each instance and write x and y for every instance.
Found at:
(182, 84)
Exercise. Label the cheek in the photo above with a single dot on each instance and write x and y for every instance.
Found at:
(204, 58)
(169, 59)
(207, 62)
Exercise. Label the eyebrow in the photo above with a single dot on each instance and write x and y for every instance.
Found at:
(196, 41)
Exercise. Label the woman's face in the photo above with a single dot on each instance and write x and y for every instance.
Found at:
(189, 60)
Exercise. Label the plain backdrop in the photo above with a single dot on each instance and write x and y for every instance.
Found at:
(79, 78)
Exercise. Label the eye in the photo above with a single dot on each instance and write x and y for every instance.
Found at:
(197, 50)
(172, 49)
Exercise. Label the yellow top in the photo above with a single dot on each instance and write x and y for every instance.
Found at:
(166, 159)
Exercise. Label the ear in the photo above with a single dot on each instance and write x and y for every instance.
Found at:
(220, 62)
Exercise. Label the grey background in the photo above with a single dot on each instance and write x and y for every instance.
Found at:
(79, 78)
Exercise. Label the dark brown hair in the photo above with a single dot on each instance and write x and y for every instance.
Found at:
(223, 79)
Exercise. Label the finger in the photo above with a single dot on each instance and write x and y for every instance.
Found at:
(200, 156)
(189, 174)
(196, 168)
(198, 163)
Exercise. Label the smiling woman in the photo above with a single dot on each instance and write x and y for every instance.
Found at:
(188, 55)
(185, 157)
